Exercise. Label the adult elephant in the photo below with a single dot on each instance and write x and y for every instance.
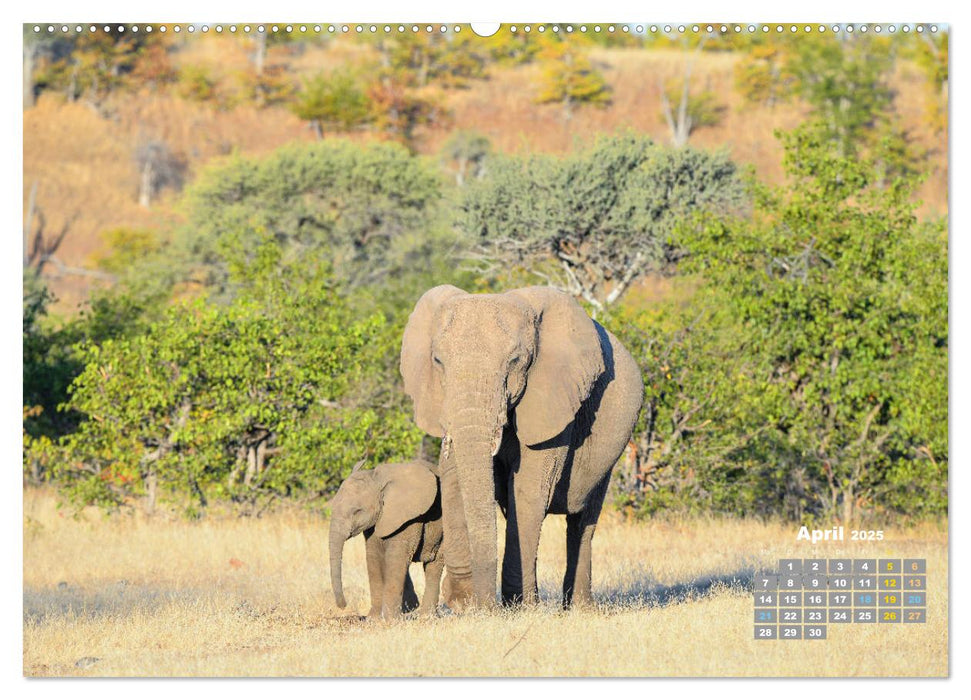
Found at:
(534, 403)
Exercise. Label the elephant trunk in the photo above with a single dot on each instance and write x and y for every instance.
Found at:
(338, 536)
(476, 482)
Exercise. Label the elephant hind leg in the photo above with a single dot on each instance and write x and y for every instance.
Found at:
(433, 580)
(578, 580)
(524, 522)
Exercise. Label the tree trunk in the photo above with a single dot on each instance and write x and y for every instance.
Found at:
(250, 465)
(847, 506)
(259, 54)
(147, 182)
(151, 483)
(30, 54)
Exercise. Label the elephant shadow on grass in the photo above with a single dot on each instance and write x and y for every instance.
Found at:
(120, 598)
(643, 590)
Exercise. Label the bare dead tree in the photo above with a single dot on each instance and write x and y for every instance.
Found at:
(158, 167)
(680, 122)
(41, 246)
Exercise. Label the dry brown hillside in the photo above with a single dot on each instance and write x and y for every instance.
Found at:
(83, 160)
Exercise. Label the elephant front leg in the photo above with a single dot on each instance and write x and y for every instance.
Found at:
(397, 558)
(374, 547)
(524, 521)
(433, 581)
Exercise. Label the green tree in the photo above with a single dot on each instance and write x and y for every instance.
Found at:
(333, 101)
(844, 298)
(845, 81)
(570, 78)
(251, 401)
(594, 221)
(467, 152)
(369, 210)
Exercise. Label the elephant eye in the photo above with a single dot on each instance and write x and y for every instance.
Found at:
(513, 360)
(437, 360)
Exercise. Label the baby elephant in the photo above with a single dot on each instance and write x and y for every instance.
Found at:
(397, 507)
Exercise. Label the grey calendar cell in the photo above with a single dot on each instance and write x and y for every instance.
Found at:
(766, 616)
(790, 600)
(790, 631)
(889, 615)
(788, 616)
(864, 615)
(914, 583)
(840, 615)
(766, 582)
(862, 599)
(864, 566)
(814, 581)
(841, 583)
(886, 582)
(840, 599)
(790, 583)
(915, 615)
(865, 583)
(890, 566)
(765, 599)
(915, 599)
(814, 615)
(841, 566)
(814, 632)
(888, 598)
(814, 600)
(915, 566)
(790, 566)
(766, 632)
(814, 566)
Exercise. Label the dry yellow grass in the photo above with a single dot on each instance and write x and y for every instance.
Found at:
(239, 597)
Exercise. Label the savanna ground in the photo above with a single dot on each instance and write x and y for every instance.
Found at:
(129, 596)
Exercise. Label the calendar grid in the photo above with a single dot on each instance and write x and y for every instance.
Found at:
(804, 597)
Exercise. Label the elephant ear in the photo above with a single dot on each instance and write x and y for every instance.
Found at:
(568, 361)
(417, 366)
(407, 492)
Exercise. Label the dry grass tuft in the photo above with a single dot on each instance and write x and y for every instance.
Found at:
(126, 596)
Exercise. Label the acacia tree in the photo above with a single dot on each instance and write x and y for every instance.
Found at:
(595, 221)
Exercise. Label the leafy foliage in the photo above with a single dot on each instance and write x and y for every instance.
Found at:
(842, 298)
(467, 152)
(845, 82)
(246, 400)
(333, 101)
(570, 79)
(595, 221)
(361, 208)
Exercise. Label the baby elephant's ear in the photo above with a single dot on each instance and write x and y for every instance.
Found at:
(407, 492)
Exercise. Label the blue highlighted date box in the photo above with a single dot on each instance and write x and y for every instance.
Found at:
(766, 616)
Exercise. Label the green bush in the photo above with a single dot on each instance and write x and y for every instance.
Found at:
(249, 401)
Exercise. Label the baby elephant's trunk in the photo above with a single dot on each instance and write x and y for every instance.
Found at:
(337, 540)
